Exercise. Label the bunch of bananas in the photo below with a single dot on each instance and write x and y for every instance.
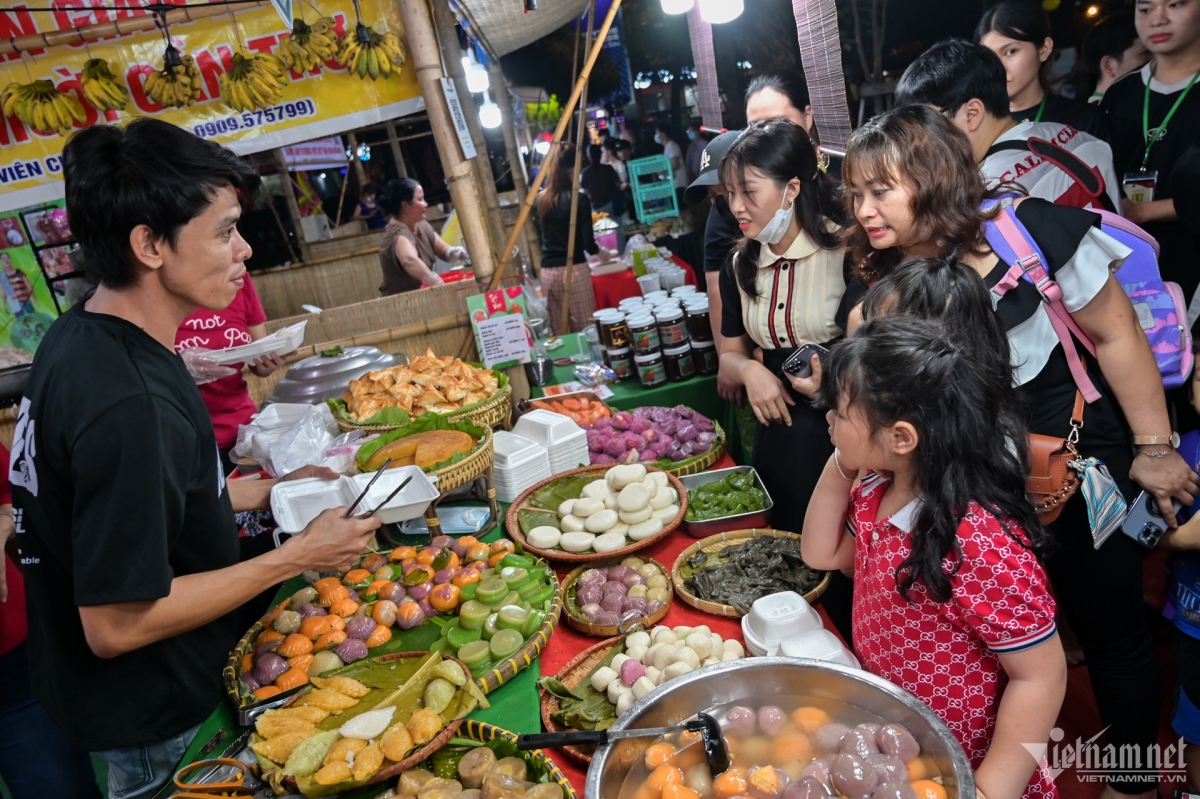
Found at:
(101, 88)
(254, 81)
(42, 106)
(308, 47)
(177, 84)
(369, 54)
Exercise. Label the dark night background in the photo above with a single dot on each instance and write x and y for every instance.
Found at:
(765, 35)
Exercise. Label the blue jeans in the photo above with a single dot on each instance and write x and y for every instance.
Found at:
(139, 771)
(35, 758)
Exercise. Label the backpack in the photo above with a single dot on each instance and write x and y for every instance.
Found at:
(1159, 305)
(1088, 179)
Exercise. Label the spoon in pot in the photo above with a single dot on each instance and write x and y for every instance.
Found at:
(715, 750)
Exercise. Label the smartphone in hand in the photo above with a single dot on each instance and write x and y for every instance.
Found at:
(1145, 523)
(800, 362)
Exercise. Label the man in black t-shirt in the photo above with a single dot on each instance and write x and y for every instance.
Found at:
(1171, 32)
(124, 520)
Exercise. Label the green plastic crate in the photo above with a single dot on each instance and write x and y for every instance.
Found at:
(653, 196)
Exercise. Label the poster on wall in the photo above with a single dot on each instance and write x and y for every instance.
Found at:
(27, 304)
(313, 106)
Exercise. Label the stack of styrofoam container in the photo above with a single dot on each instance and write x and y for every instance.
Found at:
(519, 463)
(565, 441)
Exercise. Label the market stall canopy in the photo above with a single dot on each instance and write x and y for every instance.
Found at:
(504, 27)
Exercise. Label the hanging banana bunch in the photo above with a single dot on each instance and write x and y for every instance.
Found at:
(101, 88)
(255, 81)
(178, 83)
(308, 47)
(369, 54)
(42, 106)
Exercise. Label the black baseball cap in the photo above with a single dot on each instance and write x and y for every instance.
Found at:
(708, 176)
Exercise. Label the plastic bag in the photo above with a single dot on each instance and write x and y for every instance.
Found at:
(638, 242)
(342, 451)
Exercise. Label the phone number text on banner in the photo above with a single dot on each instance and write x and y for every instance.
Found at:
(325, 103)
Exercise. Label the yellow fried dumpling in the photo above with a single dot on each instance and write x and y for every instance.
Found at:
(396, 743)
(279, 748)
(313, 715)
(424, 726)
(343, 685)
(343, 749)
(269, 725)
(367, 762)
(327, 699)
(334, 773)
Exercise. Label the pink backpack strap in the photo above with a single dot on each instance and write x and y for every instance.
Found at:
(1028, 262)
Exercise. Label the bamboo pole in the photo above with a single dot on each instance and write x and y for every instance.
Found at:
(397, 154)
(568, 109)
(580, 135)
(101, 30)
(360, 174)
(444, 25)
(516, 162)
(289, 196)
(423, 49)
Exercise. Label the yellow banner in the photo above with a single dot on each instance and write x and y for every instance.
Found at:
(328, 102)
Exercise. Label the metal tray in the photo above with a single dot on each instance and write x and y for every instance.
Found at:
(709, 527)
(526, 405)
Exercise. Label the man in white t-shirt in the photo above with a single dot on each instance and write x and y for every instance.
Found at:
(1056, 162)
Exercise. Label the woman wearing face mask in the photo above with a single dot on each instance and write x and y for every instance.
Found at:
(1019, 32)
(915, 192)
(780, 291)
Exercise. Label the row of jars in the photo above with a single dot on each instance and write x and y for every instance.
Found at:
(659, 337)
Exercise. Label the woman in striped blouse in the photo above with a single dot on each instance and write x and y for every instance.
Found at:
(781, 290)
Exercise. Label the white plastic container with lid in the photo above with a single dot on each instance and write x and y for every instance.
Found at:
(295, 503)
(775, 617)
(818, 644)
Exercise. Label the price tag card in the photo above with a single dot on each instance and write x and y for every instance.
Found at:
(502, 339)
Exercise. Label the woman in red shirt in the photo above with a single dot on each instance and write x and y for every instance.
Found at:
(228, 398)
(35, 758)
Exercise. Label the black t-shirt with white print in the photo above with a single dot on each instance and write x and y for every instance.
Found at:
(117, 490)
(1174, 156)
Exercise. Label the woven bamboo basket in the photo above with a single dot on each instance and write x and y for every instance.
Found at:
(525, 656)
(716, 543)
(572, 674)
(584, 626)
(705, 461)
(491, 412)
(493, 679)
(420, 755)
(478, 731)
(459, 474)
(514, 527)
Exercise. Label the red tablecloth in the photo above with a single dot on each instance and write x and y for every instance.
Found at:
(611, 289)
(566, 642)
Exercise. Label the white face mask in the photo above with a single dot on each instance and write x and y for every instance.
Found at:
(773, 231)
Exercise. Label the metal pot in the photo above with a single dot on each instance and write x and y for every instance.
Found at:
(322, 377)
(755, 681)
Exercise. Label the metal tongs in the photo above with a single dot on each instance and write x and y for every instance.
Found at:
(715, 750)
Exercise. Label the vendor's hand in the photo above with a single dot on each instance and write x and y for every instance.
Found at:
(311, 470)
(811, 385)
(729, 389)
(1166, 478)
(202, 367)
(605, 255)
(267, 364)
(435, 280)
(330, 543)
(456, 255)
(766, 394)
(6, 532)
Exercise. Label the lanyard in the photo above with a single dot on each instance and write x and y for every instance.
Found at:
(1146, 116)
(1041, 108)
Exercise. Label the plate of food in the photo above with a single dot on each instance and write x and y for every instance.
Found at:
(613, 596)
(678, 440)
(605, 511)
